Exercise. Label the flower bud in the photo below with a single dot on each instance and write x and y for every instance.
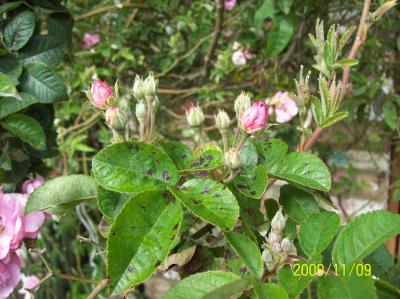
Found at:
(155, 104)
(222, 121)
(115, 118)
(286, 244)
(274, 237)
(138, 90)
(267, 256)
(232, 159)
(150, 85)
(254, 118)
(141, 111)
(242, 102)
(194, 115)
(99, 94)
(278, 223)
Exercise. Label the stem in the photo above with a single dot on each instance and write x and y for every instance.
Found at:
(232, 176)
(216, 34)
(97, 290)
(242, 141)
(225, 141)
(148, 117)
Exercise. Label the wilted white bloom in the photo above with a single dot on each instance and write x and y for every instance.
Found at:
(238, 58)
(278, 223)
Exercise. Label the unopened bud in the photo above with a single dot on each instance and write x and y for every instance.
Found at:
(150, 85)
(138, 90)
(242, 102)
(278, 223)
(141, 112)
(222, 121)
(115, 118)
(268, 259)
(276, 247)
(232, 159)
(99, 94)
(286, 244)
(194, 115)
(155, 104)
(274, 237)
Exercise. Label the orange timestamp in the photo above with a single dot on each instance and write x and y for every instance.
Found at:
(358, 269)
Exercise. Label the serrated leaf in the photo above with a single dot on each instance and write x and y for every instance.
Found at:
(209, 200)
(271, 152)
(345, 37)
(9, 105)
(19, 30)
(346, 287)
(27, 129)
(180, 154)
(331, 120)
(42, 48)
(252, 185)
(110, 202)
(61, 194)
(298, 204)
(303, 169)
(200, 285)
(363, 235)
(317, 231)
(137, 245)
(248, 251)
(280, 35)
(43, 83)
(266, 10)
(7, 87)
(9, 6)
(248, 157)
(316, 109)
(133, 167)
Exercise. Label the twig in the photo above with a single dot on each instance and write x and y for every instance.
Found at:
(97, 290)
(216, 34)
(109, 8)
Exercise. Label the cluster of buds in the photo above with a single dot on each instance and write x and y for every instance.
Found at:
(303, 91)
(277, 249)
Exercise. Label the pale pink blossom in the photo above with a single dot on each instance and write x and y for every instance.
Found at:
(29, 185)
(238, 58)
(90, 40)
(30, 282)
(283, 106)
(229, 4)
(10, 274)
(247, 54)
(100, 93)
(255, 117)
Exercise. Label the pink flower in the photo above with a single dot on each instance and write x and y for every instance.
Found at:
(90, 40)
(111, 112)
(100, 93)
(30, 282)
(32, 224)
(285, 108)
(255, 117)
(11, 222)
(30, 185)
(229, 4)
(10, 274)
(247, 54)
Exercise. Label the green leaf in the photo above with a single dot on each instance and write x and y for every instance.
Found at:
(60, 194)
(363, 235)
(19, 30)
(206, 157)
(200, 285)
(298, 204)
(228, 290)
(5, 161)
(252, 185)
(133, 167)
(331, 120)
(140, 238)
(347, 62)
(383, 265)
(269, 291)
(9, 105)
(10, 66)
(390, 116)
(266, 10)
(26, 128)
(280, 35)
(42, 48)
(271, 152)
(303, 169)
(345, 37)
(317, 231)
(110, 202)
(209, 200)
(7, 87)
(346, 287)
(285, 5)
(248, 251)
(59, 25)
(249, 157)
(180, 153)
(294, 285)
(316, 108)
(45, 84)
(9, 6)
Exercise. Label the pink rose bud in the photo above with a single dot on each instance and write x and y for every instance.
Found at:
(254, 118)
(10, 274)
(229, 4)
(111, 113)
(100, 93)
(90, 40)
(194, 115)
(30, 185)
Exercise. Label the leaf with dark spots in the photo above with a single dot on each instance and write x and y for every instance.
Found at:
(252, 186)
(217, 194)
(206, 189)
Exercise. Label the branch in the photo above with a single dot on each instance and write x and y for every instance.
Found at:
(102, 285)
(216, 34)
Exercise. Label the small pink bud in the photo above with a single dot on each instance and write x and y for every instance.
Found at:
(229, 4)
(254, 118)
(90, 40)
(111, 113)
(100, 94)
